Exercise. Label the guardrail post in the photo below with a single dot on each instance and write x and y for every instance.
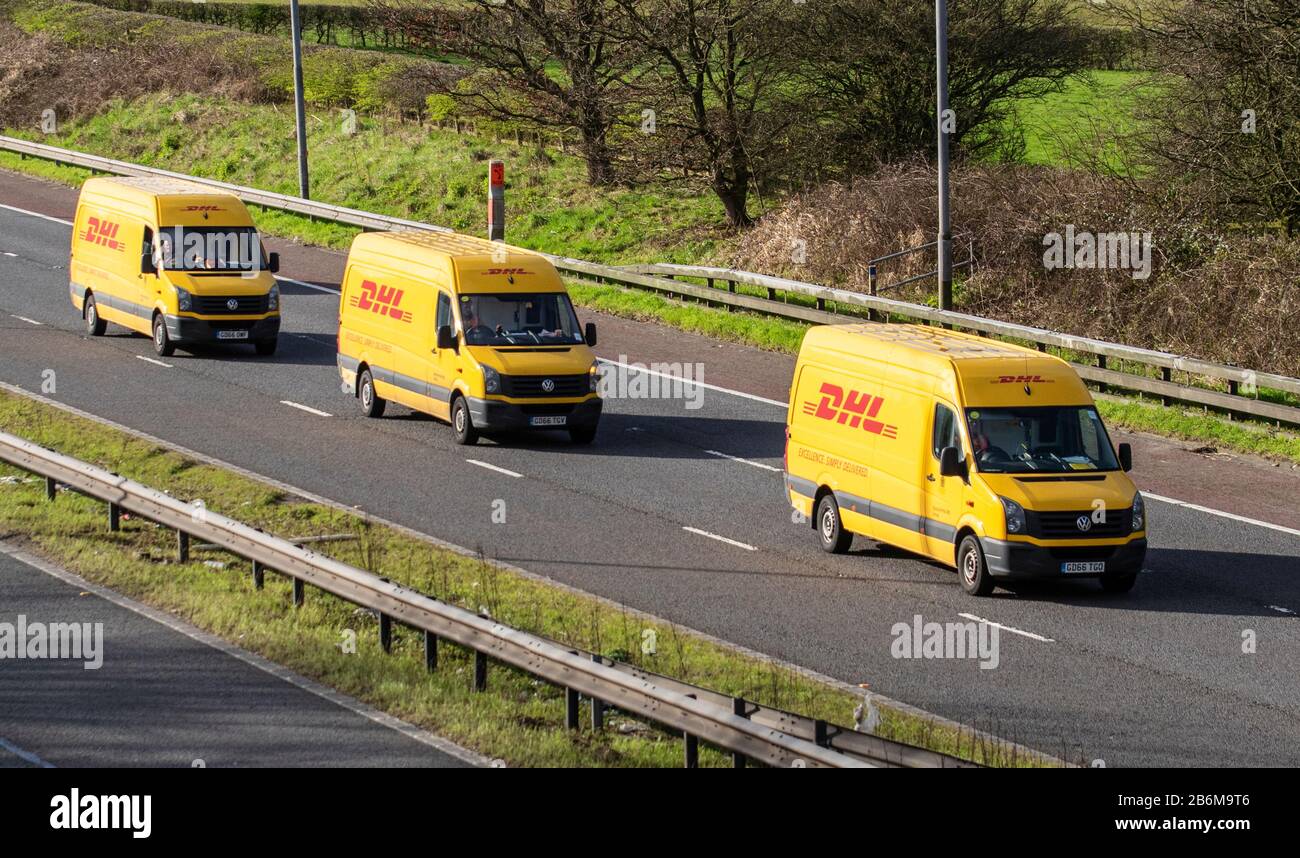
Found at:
(299, 593)
(570, 709)
(1101, 364)
(259, 575)
(597, 705)
(182, 547)
(386, 632)
(51, 488)
(692, 751)
(114, 518)
(820, 734)
(738, 707)
(873, 283)
(731, 287)
(430, 651)
(771, 293)
(480, 671)
(1166, 374)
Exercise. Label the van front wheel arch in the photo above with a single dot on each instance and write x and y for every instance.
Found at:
(972, 570)
(371, 404)
(95, 324)
(162, 343)
(462, 423)
(834, 538)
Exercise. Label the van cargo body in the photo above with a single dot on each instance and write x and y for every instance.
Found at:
(979, 454)
(470, 331)
(173, 260)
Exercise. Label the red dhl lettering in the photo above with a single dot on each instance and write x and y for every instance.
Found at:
(856, 409)
(203, 209)
(1022, 379)
(507, 271)
(384, 300)
(102, 233)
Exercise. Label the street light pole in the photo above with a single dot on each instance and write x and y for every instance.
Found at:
(300, 113)
(945, 224)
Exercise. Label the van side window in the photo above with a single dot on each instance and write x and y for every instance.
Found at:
(146, 246)
(444, 311)
(945, 429)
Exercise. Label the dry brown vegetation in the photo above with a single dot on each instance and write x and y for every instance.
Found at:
(1227, 295)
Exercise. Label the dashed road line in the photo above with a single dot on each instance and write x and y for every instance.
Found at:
(27, 320)
(25, 756)
(752, 464)
(737, 543)
(1011, 629)
(154, 361)
(492, 467)
(306, 408)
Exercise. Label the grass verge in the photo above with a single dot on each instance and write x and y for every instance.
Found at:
(518, 719)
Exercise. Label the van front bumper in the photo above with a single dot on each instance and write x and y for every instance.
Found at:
(188, 329)
(1026, 560)
(494, 415)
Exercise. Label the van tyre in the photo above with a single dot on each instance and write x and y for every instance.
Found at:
(1118, 583)
(162, 344)
(371, 404)
(266, 348)
(971, 568)
(582, 434)
(830, 527)
(462, 426)
(95, 326)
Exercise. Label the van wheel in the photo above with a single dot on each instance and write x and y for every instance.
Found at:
(830, 527)
(462, 427)
(266, 348)
(95, 326)
(582, 434)
(161, 343)
(971, 568)
(371, 404)
(1118, 583)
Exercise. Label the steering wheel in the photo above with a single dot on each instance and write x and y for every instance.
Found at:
(993, 455)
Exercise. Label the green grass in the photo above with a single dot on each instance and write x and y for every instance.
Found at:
(518, 719)
(1201, 427)
(1104, 100)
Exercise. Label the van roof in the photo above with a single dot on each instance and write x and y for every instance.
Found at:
(990, 371)
(158, 186)
(479, 265)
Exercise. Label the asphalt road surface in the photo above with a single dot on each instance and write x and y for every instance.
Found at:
(679, 512)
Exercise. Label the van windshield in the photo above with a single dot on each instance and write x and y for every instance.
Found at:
(208, 248)
(517, 319)
(1047, 438)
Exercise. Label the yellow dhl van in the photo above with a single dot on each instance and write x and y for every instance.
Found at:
(979, 454)
(473, 332)
(173, 260)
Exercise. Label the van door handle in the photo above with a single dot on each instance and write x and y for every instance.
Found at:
(930, 477)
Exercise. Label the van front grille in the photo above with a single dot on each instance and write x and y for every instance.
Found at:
(1065, 525)
(219, 305)
(535, 385)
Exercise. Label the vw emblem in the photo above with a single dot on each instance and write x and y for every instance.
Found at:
(1084, 523)
(548, 385)
(232, 304)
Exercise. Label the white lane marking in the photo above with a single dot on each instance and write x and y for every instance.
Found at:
(153, 361)
(306, 285)
(27, 320)
(1229, 515)
(338, 698)
(36, 214)
(7, 253)
(1014, 631)
(26, 756)
(692, 383)
(734, 542)
(306, 408)
(743, 461)
(1280, 609)
(494, 468)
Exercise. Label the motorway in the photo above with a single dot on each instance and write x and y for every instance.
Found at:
(166, 696)
(680, 513)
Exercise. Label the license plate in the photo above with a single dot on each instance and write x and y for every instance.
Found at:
(232, 335)
(548, 421)
(1083, 568)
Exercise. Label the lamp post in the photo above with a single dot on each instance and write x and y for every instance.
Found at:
(945, 224)
(300, 114)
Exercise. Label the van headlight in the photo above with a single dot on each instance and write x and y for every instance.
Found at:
(184, 300)
(273, 298)
(593, 376)
(491, 379)
(1139, 512)
(1015, 515)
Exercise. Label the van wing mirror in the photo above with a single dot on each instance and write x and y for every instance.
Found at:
(446, 339)
(590, 334)
(146, 263)
(1126, 457)
(950, 463)
(273, 262)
